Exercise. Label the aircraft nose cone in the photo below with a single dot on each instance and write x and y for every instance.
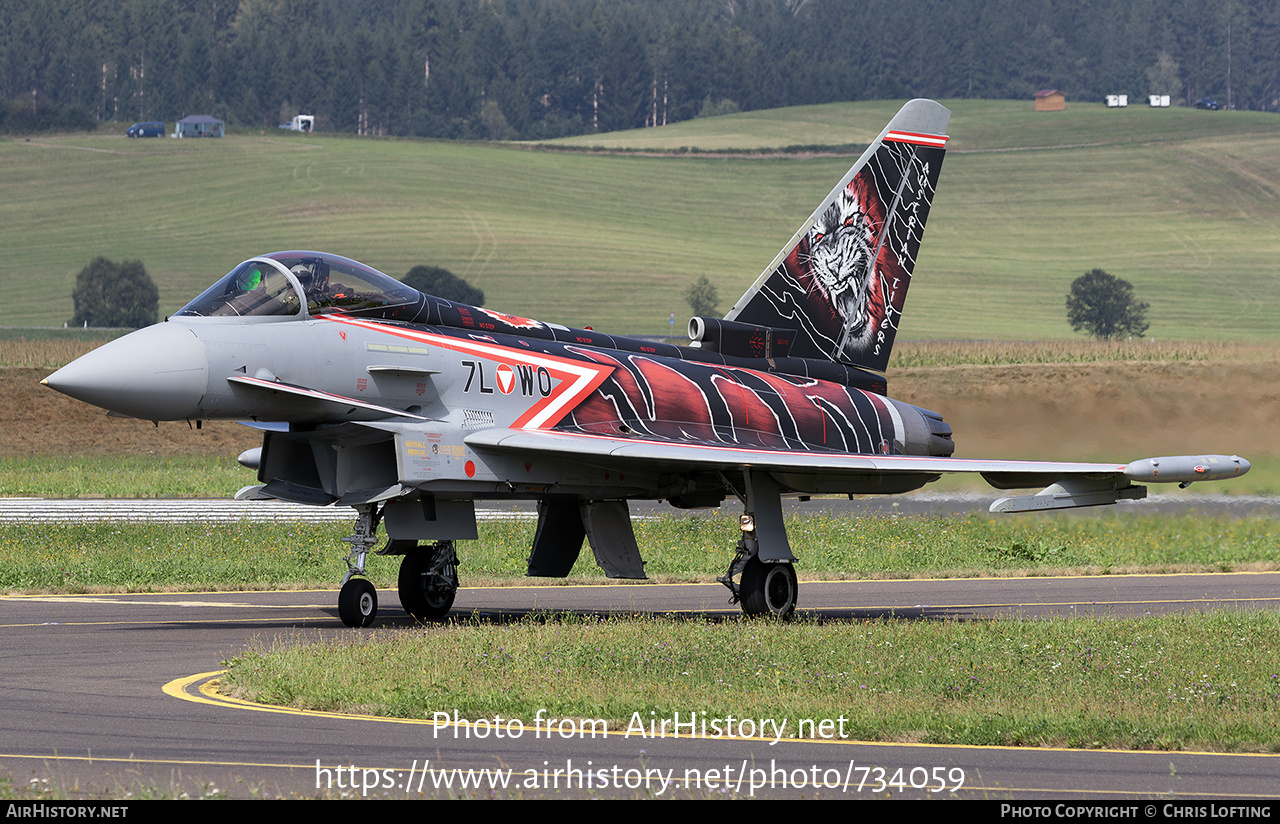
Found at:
(157, 374)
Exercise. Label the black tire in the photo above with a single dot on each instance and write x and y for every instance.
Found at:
(769, 589)
(417, 595)
(358, 603)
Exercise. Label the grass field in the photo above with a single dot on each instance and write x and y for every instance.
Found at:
(1182, 203)
(122, 556)
(1197, 682)
(1204, 681)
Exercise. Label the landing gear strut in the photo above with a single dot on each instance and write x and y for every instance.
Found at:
(766, 582)
(358, 600)
(429, 580)
(428, 574)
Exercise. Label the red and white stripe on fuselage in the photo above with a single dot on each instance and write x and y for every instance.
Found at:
(573, 380)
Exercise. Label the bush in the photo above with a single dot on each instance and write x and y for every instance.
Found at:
(442, 283)
(115, 295)
(1104, 306)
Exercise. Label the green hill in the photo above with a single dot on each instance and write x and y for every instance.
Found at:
(976, 125)
(1183, 203)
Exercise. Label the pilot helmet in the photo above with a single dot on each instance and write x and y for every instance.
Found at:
(249, 280)
(312, 273)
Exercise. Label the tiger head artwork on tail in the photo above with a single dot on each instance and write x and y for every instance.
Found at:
(836, 261)
(842, 280)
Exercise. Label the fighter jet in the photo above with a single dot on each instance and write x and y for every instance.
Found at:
(410, 408)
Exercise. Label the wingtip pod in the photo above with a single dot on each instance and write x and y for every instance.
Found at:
(1185, 469)
(841, 281)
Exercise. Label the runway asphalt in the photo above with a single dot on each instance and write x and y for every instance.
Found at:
(104, 697)
(175, 510)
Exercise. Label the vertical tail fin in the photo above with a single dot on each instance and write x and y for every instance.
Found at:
(841, 281)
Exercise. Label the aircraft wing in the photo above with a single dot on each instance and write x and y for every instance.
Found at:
(1067, 484)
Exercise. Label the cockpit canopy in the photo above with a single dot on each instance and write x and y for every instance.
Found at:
(286, 284)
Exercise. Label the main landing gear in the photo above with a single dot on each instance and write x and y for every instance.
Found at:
(763, 564)
(428, 574)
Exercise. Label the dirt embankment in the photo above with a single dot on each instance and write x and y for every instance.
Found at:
(1119, 411)
(36, 420)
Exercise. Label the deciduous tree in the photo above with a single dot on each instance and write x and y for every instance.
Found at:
(115, 294)
(1105, 307)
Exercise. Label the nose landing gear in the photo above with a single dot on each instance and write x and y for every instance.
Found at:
(358, 600)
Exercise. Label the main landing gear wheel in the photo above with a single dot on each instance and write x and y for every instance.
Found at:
(358, 603)
(429, 581)
(769, 589)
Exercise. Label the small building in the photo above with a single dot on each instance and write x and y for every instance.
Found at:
(199, 125)
(1050, 100)
(301, 123)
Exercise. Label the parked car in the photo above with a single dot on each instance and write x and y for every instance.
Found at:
(1207, 103)
(150, 128)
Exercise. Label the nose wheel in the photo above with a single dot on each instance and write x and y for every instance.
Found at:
(358, 603)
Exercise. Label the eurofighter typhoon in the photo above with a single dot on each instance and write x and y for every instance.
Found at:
(410, 408)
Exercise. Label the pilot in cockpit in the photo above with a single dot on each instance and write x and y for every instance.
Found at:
(248, 280)
(313, 274)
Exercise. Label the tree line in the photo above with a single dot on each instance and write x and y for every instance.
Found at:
(502, 69)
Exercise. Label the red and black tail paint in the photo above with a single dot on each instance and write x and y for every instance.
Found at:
(842, 280)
